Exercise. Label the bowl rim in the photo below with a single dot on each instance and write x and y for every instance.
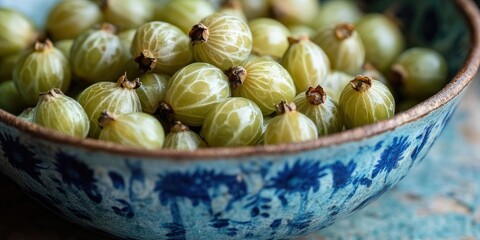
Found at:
(459, 82)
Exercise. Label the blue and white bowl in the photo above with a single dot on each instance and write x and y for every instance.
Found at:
(265, 192)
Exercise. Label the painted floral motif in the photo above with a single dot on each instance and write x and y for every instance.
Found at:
(391, 156)
(21, 157)
(77, 174)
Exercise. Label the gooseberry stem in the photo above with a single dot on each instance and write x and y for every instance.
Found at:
(165, 111)
(361, 83)
(125, 83)
(316, 96)
(146, 61)
(107, 27)
(52, 93)
(344, 30)
(105, 119)
(199, 34)
(179, 127)
(43, 46)
(301, 38)
(283, 107)
(236, 75)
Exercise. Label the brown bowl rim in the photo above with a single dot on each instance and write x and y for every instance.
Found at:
(462, 78)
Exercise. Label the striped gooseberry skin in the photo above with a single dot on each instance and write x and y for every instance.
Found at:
(232, 123)
(161, 47)
(97, 55)
(343, 46)
(185, 13)
(365, 101)
(306, 62)
(270, 37)
(117, 98)
(321, 109)
(135, 129)
(383, 38)
(17, 32)
(152, 91)
(61, 113)
(69, 19)
(335, 82)
(290, 126)
(182, 138)
(194, 90)
(221, 40)
(127, 14)
(40, 69)
(266, 83)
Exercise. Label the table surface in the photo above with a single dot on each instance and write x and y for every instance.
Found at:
(439, 199)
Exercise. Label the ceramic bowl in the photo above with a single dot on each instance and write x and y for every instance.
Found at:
(268, 192)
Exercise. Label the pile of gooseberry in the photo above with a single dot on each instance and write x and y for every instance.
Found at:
(188, 74)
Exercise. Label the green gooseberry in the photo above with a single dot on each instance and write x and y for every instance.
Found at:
(17, 32)
(270, 37)
(221, 40)
(366, 101)
(61, 113)
(117, 98)
(263, 81)
(69, 19)
(161, 47)
(419, 73)
(152, 91)
(135, 129)
(334, 12)
(383, 38)
(6, 66)
(322, 110)
(184, 13)
(40, 69)
(306, 62)
(343, 46)
(256, 8)
(126, 39)
(97, 55)
(293, 12)
(182, 138)
(335, 83)
(192, 92)
(127, 14)
(234, 122)
(299, 30)
(289, 126)
(10, 99)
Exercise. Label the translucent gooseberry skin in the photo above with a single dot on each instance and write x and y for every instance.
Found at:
(135, 129)
(27, 114)
(306, 62)
(232, 123)
(335, 12)
(126, 39)
(335, 82)
(420, 72)
(365, 103)
(383, 38)
(292, 12)
(182, 138)
(325, 113)
(221, 40)
(343, 46)
(266, 83)
(194, 90)
(184, 13)
(270, 37)
(16, 32)
(10, 99)
(97, 55)
(40, 69)
(266, 121)
(6, 66)
(65, 46)
(161, 47)
(69, 19)
(152, 91)
(61, 113)
(256, 8)
(117, 98)
(127, 14)
(290, 127)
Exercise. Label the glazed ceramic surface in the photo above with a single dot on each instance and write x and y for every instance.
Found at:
(265, 196)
